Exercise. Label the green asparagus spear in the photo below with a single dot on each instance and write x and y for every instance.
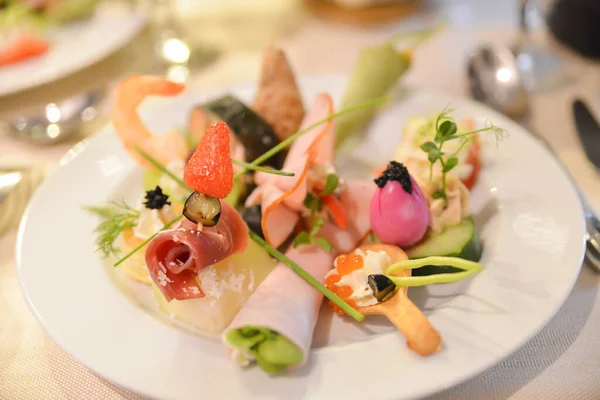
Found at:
(377, 69)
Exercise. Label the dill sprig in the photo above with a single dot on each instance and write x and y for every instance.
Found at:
(116, 218)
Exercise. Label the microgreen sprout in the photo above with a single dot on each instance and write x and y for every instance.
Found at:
(314, 204)
(446, 130)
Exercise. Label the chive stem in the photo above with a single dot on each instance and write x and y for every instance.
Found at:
(469, 268)
(308, 277)
(249, 166)
(145, 242)
(287, 142)
(162, 168)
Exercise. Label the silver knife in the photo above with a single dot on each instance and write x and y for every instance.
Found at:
(589, 131)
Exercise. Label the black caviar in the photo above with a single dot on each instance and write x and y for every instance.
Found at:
(395, 171)
(156, 199)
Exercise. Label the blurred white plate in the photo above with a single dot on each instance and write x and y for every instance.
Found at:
(530, 219)
(73, 47)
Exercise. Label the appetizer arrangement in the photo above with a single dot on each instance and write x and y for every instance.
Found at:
(246, 225)
(24, 25)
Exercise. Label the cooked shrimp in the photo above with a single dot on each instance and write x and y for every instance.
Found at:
(131, 130)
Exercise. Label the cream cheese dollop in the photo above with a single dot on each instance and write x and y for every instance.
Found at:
(152, 221)
(374, 263)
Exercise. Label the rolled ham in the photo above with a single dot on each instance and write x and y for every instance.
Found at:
(281, 198)
(175, 257)
(287, 304)
(284, 302)
(355, 200)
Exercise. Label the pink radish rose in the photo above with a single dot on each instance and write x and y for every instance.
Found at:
(399, 212)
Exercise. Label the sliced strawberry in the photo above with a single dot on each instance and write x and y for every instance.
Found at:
(23, 47)
(210, 171)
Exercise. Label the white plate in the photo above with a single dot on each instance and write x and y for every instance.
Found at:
(73, 47)
(531, 222)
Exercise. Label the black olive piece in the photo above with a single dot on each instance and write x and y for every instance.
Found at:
(381, 285)
(253, 216)
(202, 209)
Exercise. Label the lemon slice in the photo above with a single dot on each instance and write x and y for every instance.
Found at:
(135, 266)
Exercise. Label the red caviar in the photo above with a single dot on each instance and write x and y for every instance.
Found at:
(331, 279)
(347, 264)
(344, 292)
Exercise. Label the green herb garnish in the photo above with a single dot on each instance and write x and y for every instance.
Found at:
(317, 220)
(308, 278)
(261, 169)
(145, 242)
(331, 183)
(446, 130)
(245, 165)
(288, 142)
(468, 268)
(117, 217)
(161, 167)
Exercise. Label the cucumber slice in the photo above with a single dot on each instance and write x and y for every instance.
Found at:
(460, 241)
